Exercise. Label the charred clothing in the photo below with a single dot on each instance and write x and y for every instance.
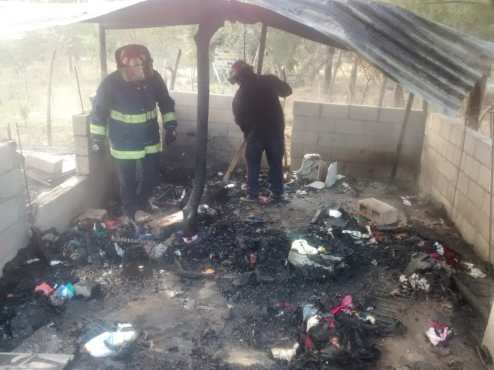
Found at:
(259, 115)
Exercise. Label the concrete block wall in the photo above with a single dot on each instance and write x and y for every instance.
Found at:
(80, 128)
(224, 137)
(441, 170)
(363, 139)
(13, 218)
(89, 189)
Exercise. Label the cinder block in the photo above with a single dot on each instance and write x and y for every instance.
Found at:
(363, 113)
(456, 135)
(184, 99)
(302, 123)
(58, 207)
(476, 194)
(218, 131)
(325, 124)
(463, 182)
(10, 213)
(235, 133)
(82, 165)
(481, 246)
(8, 156)
(186, 113)
(473, 169)
(221, 115)
(325, 139)
(306, 109)
(379, 212)
(223, 102)
(81, 145)
(335, 111)
(349, 127)
(11, 241)
(485, 178)
(11, 184)
(306, 138)
(45, 162)
(80, 124)
(392, 115)
(470, 143)
(483, 151)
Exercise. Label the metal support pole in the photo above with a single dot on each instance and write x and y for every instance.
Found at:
(404, 126)
(102, 52)
(492, 184)
(202, 38)
(262, 48)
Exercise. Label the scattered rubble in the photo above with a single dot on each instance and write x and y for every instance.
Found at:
(319, 286)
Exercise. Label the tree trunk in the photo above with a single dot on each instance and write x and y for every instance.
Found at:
(335, 73)
(175, 70)
(262, 48)
(328, 70)
(353, 80)
(49, 97)
(399, 99)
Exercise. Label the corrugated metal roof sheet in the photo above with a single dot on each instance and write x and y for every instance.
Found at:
(430, 60)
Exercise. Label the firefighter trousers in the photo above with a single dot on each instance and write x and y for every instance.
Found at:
(137, 179)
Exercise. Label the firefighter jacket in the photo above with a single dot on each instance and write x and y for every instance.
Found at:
(126, 113)
(257, 108)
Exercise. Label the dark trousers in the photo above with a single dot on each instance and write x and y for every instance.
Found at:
(137, 179)
(274, 148)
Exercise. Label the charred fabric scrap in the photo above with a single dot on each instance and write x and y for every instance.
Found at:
(322, 285)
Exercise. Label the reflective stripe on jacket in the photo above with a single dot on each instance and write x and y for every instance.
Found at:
(126, 113)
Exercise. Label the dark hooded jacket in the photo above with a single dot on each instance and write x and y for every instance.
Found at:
(257, 108)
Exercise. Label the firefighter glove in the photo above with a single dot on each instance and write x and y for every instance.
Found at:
(170, 135)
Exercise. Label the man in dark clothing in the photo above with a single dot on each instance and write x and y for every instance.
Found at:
(124, 111)
(259, 115)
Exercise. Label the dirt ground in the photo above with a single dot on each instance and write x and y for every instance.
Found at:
(211, 323)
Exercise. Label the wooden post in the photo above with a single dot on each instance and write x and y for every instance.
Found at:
(202, 38)
(404, 126)
(175, 70)
(102, 52)
(262, 48)
(79, 88)
(49, 99)
(474, 104)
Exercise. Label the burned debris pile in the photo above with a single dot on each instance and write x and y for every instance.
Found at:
(323, 292)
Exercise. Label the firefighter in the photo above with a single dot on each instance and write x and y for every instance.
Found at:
(258, 113)
(124, 111)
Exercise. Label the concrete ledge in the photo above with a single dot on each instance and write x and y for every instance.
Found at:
(58, 207)
(8, 156)
(11, 184)
(11, 240)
